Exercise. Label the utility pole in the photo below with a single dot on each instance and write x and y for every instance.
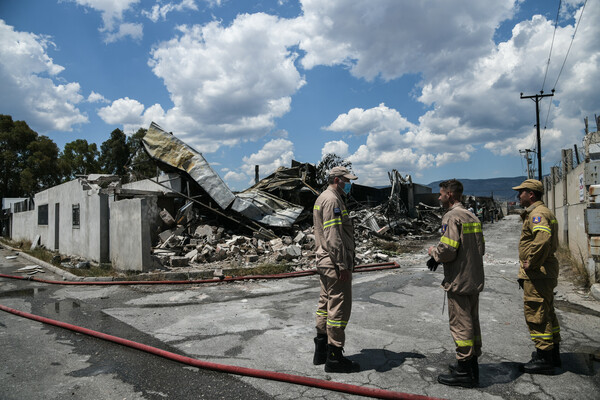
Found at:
(529, 162)
(537, 98)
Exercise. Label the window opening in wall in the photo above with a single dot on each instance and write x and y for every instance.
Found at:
(43, 214)
(75, 215)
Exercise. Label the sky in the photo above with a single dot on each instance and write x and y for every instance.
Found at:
(429, 88)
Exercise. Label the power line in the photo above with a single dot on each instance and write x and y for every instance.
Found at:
(552, 44)
(564, 61)
(571, 44)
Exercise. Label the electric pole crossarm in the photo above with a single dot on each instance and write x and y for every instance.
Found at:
(537, 98)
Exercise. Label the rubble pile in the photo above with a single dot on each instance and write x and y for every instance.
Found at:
(209, 246)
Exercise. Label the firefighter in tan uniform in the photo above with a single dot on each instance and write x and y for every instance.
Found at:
(461, 250)
(538, 276)
(334, 237)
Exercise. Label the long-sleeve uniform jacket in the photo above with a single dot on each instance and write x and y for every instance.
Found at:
(461, 250)
(334, 233)
(539, 241)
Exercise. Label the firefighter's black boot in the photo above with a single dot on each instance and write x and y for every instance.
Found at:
(556, 355)
(462, 375)
(541, 363)
(336, 362)
(474, 366)
(320, 349)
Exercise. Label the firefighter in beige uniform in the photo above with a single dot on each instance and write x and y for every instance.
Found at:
(461, 250)
(538, 276)
(334, 237)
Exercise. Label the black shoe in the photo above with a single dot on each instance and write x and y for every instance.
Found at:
(462, 375)
(556, 355)
(474, 367)
(320, 350)
(541, 363)
(336, 362)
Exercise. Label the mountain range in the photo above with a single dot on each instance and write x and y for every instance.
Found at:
(499, 188)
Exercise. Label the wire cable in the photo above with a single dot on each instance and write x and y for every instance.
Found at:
(552, 44)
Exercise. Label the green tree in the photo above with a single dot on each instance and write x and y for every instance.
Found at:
(15, 138)
(114, 154)
(79, 158)
(140, 164)
(41, 167)
(329, 161)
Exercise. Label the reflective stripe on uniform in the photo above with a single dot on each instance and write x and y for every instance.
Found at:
(344, 212)
(449, 242)
(321, 313)
(332, 222)
(473, 227)
(554, 221)
(556, 329)
(464, 343)
(541, 228)
(337, 324)
(543, 336)
(316, 207)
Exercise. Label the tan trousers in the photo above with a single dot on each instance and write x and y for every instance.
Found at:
(463, 313)
(335, 305)
(538, 299)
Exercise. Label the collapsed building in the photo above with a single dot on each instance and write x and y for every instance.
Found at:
(187, 217)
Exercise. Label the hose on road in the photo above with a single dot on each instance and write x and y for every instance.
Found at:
(231, 369)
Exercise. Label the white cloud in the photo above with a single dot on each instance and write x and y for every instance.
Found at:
(112, 15)
(477, 106)
(96, 98)
(122, 111)
(160, 11)
(378, 119)
(232, 176)
(394, 38)
(29, 91)
(135, 31)
(337, 147)
(228, 83)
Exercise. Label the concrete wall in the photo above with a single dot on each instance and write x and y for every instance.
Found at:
(88, 240)
(130, 229)
(569, 204)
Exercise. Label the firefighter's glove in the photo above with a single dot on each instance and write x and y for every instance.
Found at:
(432, 264)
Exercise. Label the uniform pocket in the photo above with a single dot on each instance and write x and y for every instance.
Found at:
(534, 310)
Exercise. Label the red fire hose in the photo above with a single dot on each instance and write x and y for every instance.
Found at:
(231, 369)
(358, 268)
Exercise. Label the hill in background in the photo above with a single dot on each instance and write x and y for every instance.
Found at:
(500, 188)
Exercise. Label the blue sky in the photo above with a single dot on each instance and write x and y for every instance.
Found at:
(429, 88)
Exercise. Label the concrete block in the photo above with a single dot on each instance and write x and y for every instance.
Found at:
(179, 261)
(381, 256)
(251, 258)
(294, 250)
(191, 254)
(595, 291)
(167, 217)
(595, 250)
(300, 238)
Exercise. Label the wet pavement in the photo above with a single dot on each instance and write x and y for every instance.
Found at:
(397, 333)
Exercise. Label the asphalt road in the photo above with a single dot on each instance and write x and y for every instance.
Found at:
(397, 333)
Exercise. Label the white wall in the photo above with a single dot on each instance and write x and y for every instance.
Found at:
(88, 240)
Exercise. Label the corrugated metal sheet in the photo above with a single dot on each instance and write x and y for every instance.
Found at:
(168, 149)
